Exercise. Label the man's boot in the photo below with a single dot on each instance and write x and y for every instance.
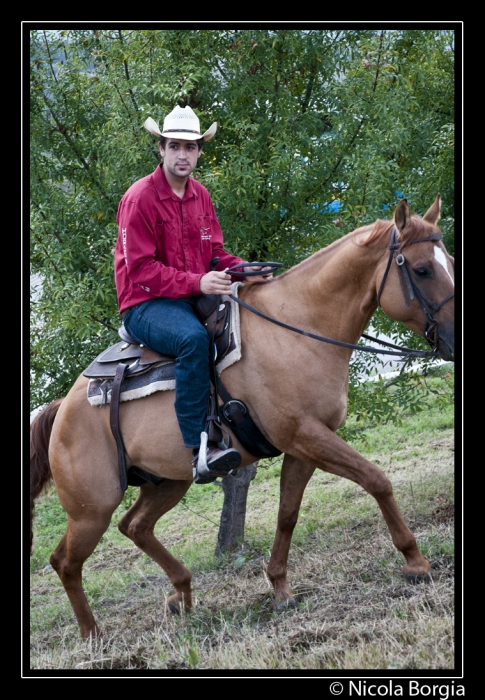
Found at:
(212, 462)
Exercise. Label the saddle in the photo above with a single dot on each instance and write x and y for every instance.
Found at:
(139, 359)
(127, 365)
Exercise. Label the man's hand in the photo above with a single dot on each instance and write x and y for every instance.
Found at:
(215, 283)
(257, 278)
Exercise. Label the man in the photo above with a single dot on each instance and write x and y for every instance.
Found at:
(168, 233)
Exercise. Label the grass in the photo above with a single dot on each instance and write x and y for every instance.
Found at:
(355, 610)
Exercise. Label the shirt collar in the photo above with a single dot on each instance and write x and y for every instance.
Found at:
(165, 191)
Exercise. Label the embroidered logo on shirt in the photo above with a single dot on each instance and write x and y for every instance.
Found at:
(204, 233)
(123, 239)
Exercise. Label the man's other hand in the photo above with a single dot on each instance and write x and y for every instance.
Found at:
(258, 278)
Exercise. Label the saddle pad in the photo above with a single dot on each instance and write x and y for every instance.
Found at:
(162, 377)
(159, 378)
(234, 353)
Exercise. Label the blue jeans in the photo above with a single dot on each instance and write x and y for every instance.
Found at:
(171, 327)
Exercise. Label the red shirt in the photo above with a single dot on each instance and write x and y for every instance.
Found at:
(165, 243)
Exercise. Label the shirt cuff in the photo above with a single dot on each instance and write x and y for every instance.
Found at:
(196, 287)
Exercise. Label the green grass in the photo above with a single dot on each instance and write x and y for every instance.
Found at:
(51, 520)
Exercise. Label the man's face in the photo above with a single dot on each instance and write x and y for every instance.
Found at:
(180, 157)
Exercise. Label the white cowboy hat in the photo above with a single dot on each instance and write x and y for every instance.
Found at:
(181, 123)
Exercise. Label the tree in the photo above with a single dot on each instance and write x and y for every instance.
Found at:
(233, 515)
(319, 131)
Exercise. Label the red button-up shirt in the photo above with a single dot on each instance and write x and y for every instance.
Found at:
(165, 243)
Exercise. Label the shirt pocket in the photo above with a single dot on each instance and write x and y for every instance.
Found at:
(205, 227)
(168, 243)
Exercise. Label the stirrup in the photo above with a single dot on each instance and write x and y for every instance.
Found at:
(204, 472)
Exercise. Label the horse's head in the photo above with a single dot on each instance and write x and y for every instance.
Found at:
(417, 285)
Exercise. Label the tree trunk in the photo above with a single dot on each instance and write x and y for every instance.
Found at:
(231, 528)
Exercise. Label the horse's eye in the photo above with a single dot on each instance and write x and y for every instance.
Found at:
(421, 272)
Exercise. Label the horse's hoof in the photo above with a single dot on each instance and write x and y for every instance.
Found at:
(289, 604)
(94, 635)
(174, 608)
(417, 578)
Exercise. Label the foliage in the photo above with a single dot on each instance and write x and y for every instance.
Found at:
(393, 400)
(319, 131)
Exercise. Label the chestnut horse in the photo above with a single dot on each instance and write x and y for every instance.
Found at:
(294, 386)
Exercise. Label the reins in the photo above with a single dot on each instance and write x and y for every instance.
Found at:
(428, 306)
(408, 352)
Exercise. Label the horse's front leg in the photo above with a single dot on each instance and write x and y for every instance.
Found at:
(327, 451)
(295, 475)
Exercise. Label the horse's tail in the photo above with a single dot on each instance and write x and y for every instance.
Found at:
(40, 470)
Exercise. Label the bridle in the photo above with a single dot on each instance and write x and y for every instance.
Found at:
(428, 306)
(408, 285)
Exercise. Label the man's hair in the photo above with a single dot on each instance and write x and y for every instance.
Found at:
(163, 140)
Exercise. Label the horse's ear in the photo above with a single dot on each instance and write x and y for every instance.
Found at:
(402, 216)
(433, 213)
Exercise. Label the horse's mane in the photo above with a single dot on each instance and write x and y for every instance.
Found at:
(381, 229)
(323, 252)
(368, 235)
(376, 232)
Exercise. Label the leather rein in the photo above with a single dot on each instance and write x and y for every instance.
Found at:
(428, 306)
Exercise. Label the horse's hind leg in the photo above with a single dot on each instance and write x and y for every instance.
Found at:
(295, 475)
(138, 524)
(77, 544)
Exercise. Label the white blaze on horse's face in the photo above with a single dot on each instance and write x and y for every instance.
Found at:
(441, 259)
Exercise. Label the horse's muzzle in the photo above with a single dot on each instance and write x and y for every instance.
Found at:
(446, 345)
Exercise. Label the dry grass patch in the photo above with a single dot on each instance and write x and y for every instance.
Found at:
(353, 613)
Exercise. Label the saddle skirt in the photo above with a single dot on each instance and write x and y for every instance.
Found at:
(147, 370)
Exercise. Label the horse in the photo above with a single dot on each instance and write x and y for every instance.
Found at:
(295, 389)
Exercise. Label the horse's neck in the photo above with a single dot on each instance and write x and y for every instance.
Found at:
(332, 292)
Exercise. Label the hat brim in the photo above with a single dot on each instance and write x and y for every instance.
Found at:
(151, 126)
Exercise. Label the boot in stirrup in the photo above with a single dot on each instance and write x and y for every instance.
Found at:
(212, 462)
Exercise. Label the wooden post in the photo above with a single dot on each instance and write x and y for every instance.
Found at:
(233, 516)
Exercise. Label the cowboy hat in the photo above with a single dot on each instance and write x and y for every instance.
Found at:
(181, 123)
